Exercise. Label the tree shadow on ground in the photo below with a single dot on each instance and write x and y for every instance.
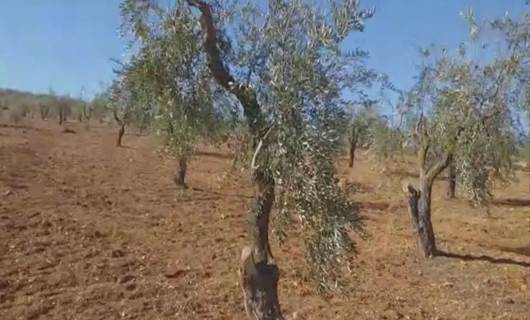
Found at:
(124, 146)
(512, 202)
(524, 251)
(17, 126)
(214, 154)
(468, 257)
(243, 196)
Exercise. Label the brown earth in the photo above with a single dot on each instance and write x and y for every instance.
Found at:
(91, 231)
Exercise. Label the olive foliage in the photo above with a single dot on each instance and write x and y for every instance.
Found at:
(286, 58)
(166, 78)
(467, 111)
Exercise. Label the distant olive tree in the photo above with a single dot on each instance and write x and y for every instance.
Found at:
(464, 111)
(100, 105)
(121, 104)
(361, 133)
(44, 110)
(170, 78)
(285, 67)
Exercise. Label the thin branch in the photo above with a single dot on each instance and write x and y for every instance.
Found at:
(253, 165)
(438, 167)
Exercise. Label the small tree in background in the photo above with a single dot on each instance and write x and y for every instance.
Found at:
(169, 76)
(86, 110)
(121, 104)
(44, 110)
(361, 131)
(100, 105)
(387, 138)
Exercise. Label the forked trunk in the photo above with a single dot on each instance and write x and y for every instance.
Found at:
(420, 214)
(180, 175)
(121, 132)
(259, 273)
(451, 182)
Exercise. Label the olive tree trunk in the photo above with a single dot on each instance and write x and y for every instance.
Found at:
(62, 115)
(451, 181)
(180, 175)
(419, 201)
(121, 131)
(353, 146)
(259, 273)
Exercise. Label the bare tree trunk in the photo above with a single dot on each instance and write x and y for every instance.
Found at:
(451, 181)
(61, 115)
(420, 214)
(121, 132)
(180, 175)
(352, 154)
(259, 273)
(353, 145)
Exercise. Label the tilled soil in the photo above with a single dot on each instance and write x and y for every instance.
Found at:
(91, 231)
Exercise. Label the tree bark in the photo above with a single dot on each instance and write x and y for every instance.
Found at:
(121, 132)
(180, 175)
(61, 115)
(420, 214)
(451, 181)
(259, 273)
(419, 201)
(121, 123)
(353, 146)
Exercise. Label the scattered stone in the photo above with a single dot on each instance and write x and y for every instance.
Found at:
(126, 278)
(68, 130)
(131, 286)
(117, 253)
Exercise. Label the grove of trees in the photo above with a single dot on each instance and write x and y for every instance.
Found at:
(284, 67)
(273, 78)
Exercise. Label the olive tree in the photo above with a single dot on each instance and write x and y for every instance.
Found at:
(284, 65)
(121, 103)
(361, 133)
(169, 78)
(465, 116)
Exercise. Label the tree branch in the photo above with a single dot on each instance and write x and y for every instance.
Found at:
(422, 154)
(253, 166)
(246, 95)
(215, 63)
(438, 167)
(116, 117)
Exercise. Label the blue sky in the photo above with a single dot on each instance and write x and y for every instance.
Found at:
(67, 44)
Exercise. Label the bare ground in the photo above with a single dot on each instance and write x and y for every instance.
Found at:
(91, 231)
